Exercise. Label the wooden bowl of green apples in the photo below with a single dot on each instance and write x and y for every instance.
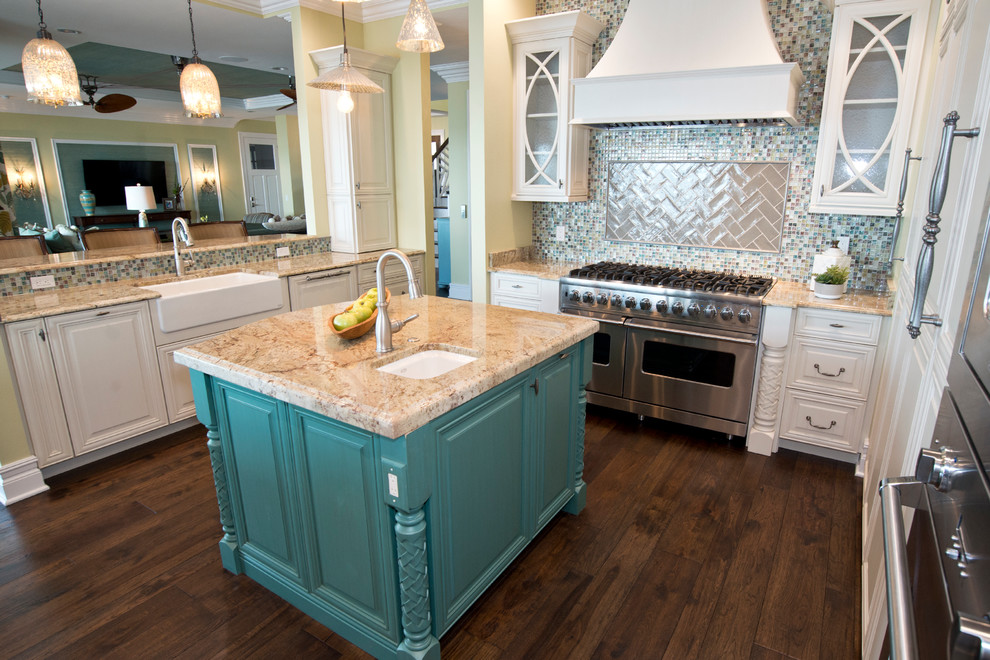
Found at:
(359, 317)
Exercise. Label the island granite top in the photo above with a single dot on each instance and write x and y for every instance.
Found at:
(296, 358)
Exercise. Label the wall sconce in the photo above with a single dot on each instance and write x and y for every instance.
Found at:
(209, 184)
(22, 183)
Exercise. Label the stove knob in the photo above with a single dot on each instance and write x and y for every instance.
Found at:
(694, 310)
(616, 300)
(645, 304)
(588, 297)
(677, 308)
(630, 302)
(602, 298)
(726, 313)
(745, 316)
(662, 306)
(575, 295)
(710, 312)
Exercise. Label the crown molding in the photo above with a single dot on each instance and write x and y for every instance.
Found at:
(455, 72)
(362, 12)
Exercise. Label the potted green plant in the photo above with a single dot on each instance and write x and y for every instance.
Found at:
(831, 283)
(176, 191)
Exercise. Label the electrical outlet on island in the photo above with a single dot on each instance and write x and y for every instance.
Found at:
(281, 252)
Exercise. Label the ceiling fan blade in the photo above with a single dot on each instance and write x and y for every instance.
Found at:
(287, 105)
(114, 103)
(291, 93)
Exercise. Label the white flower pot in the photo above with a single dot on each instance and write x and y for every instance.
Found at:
(829, 291)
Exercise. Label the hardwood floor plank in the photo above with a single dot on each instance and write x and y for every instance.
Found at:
(842, 614)
(791, 619)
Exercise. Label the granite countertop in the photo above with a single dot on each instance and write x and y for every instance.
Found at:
(50, 302)
(797, 294)
(295, 357)
(547, 270)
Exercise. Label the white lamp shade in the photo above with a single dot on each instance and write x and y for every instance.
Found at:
(140, 198)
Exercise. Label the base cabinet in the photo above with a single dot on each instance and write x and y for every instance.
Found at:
(389, 541)
(525, 292)
(325, 287)
(396, 280)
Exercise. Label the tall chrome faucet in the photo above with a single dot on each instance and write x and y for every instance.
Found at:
(179, 224)
(384, 326)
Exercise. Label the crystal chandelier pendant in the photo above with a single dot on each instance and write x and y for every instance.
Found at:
(200, 91)
(419, 33)
(49, 72)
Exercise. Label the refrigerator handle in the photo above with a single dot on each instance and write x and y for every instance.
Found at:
(936, 198)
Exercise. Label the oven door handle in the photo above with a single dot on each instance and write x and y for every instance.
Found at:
(691, 333)
(900, 612)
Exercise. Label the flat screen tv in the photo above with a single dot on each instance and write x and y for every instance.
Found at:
(106, 178)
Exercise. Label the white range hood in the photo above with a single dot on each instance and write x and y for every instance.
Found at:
(688, 62)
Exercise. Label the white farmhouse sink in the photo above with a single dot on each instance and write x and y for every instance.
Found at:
(427, 364)
(204, 300)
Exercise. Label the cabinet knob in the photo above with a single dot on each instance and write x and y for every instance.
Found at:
(41, 335)
(560, 183)
(536, 386)
(357, 185)
(359, 204)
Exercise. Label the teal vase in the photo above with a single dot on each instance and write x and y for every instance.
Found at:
(88, 201)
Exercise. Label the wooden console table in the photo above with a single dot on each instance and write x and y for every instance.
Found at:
(129, 218)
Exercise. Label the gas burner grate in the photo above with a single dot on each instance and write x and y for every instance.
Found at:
(675, 278)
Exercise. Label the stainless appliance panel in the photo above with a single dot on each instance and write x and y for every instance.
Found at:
(608, 353)
(701, 373)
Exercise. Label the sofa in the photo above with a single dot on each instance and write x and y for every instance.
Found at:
(269, 223)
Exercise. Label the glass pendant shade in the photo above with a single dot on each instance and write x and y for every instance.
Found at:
(200, 91)
(345, 77)
(419, 32)
(49, 72)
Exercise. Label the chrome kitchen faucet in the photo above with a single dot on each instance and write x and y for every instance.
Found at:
(383, 326)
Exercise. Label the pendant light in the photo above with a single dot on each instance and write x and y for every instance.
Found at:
(419, 32)
(345, 78)
(49, 72)
(200, 91)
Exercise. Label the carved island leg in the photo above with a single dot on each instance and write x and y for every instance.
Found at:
(766, 415)
(576, 504)
(414, 587)
(206, 413)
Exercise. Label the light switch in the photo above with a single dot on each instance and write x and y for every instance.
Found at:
(463, 210)
(844, 244)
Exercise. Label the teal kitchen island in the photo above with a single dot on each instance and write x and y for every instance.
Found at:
(384, 505)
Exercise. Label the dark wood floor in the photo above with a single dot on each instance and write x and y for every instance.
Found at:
(688, 548)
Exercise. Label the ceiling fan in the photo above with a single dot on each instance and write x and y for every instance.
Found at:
(107, 104)
(290, 92)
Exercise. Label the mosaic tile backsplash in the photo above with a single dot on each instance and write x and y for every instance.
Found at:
(802, 28)
(162, 264)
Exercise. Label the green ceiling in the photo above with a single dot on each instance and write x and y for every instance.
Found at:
(115, 66)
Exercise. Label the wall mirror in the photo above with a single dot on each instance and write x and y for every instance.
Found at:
(204, 183)
(104, 169)
(23, 199)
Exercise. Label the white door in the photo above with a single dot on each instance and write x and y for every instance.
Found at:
(259, 160)
(915, 371)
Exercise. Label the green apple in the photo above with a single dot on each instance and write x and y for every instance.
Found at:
(361, 311)
(344, 320)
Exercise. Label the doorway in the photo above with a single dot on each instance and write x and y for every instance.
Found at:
(259, 163)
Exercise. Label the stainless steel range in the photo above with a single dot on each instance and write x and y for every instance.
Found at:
(674, 344)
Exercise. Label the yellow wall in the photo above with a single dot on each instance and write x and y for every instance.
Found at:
(45, 128)
(497, 223)
(460, 237)
(290, 165)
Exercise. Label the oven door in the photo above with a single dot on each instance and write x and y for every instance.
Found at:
(607, 354)
(697, 371)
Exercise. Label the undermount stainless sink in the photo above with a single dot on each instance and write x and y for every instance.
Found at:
(204, 300)
(427, 364)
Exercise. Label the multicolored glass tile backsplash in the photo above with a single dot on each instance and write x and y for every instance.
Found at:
(802, 28)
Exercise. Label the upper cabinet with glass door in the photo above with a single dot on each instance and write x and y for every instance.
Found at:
(550, 157)
(873, 70)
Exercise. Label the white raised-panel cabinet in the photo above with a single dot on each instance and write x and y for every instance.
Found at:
(550, 156)
(358, 154)
(37, 386)
(108, 374)
(874, 65)
(175, 381)
(525, 292)
(324, 287)
(395, 275)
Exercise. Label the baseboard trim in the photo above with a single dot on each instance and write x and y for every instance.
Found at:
(20, 480)
(459, 291)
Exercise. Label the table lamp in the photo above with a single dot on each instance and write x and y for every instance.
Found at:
(140, 198)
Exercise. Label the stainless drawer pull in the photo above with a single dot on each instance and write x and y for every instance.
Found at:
(517, 286)
(836, 325)
(312, 278)
(103, 313)
(900, 612)
(821, 428)
(564, 356)
(842, 370)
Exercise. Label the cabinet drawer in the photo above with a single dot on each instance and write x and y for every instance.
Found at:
(847, 326)
(831, 367)
(517, 302)
(519, 286)
(820, 420)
